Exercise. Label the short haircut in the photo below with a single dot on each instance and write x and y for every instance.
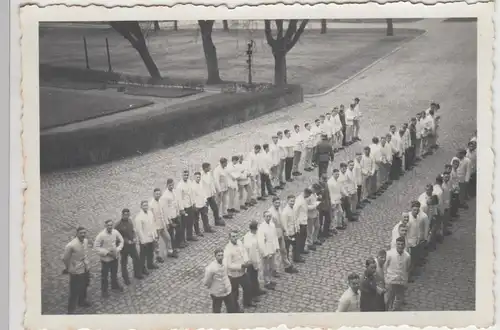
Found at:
(369, 261)
(144, 202)
(366, 148)
(415, 204)
(307, 191)
(287, 131)
(439, 179)
(350, 162)
(279, 133)
(80, 228)
(205, 165)
(296, 126)
(223, 160)
(305, 125)
(290, 197)
(235, 158)
(125, 210)
(197, 173)
(253, 225)
(170, 181)
(352, 276)
(335, 170)
(447, 166)
(265, 145)
(257, 146)
(276, 198)
(401, 240)
(382, 252)
(358, 153)
(156, 189)
(108, 221)
(185, 171)
(218, 250)
(343, 165)
(375, 140)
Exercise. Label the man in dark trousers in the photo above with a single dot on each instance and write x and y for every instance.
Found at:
(324, 155)
(344, 125)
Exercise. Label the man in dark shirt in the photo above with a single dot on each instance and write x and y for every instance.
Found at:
(413, 138)
(126, 229)
(344, 126)
(325, 208)
(324, 155)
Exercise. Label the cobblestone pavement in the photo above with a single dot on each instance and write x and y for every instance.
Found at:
(439, 66)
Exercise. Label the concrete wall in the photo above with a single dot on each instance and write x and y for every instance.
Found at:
(182, 122)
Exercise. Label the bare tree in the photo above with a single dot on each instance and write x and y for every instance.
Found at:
(131, 30)
(323, 26)
(210, 51)
(282, 44)
(225, 25)
(390, 27)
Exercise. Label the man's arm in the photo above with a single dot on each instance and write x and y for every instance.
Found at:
(68, 251)
(208, 278)
(343, 305)
(98, 246)
(120, 241)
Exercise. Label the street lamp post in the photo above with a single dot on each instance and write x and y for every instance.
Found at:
(250, 46)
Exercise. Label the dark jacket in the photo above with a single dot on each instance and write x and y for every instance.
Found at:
(342, 119)
(370, 299)
(325, 204)
(324, 152)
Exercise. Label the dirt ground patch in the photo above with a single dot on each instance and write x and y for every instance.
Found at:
(60, 107)
(317, 62)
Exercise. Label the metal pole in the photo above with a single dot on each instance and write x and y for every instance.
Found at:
(86, 53)
(249, 61)
(110, 69)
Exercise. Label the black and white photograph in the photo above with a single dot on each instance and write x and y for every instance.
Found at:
(228, 166)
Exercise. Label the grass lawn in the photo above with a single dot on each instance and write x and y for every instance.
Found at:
(60, 107)
(317, 62)
(165, 92)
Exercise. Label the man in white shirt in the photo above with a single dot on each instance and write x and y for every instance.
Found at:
(275, 157)
(253, 169)
(251, 244)
(309, 143)
(234, 172)
(221, 182)
(236, 260)
(402, 231)
(244, 191)
(300, 209)
(349, 301)
(108, 244)
(126, 228)
(337, 191)
(472, 156)
(446, 200)
(76, 264)
(429, 205)
(329, 127)
(376, 154)
(289, 145)
(161, 224)
(396, 270)
(185, 193)
(438, 192)
(349, 119)
(358, 179)
(419, 133)
(282, 152)
(337, 129)
(291, 228)
(368, 170)
(357, 119)
(268, 247)
(217, 282)
(298, 139)
(352, 187)
(418, 235)
(463, 176)
(386, 161)
(146, 234)
(200, 206)
(396, 144)
(208, 183)
(427, 125)
(346, 200)
(282, 257)
(264, 162)
(171, 205)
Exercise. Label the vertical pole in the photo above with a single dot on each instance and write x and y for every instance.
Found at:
(109, 56)
(86, 53)
(176, 27)
(249, 61)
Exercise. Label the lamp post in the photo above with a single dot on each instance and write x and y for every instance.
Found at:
(250, 46)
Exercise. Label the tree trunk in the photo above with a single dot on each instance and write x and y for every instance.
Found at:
(390, 28)
(210, 52)
(156, 26)
(175, 26)
(225, 25)
(323, 26)
(143, 51)
(279, 68)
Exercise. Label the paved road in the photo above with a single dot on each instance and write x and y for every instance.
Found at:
(438, 66)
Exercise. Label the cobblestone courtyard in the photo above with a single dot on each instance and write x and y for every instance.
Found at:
(440, 66)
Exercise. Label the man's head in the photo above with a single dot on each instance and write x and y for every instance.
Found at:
(307, 126)
(383, 141)
(317, 122)
(290, 200)
(401, 243)
(279, 135)
(447, 168)
(257, 148)
(472, 145)
(185, 175)
(350, 165)
(366, 151)
(439, 180)
(170, 184)
(144, 206)
(109, 225)
(223, 162)
(415, 208)
(307, 192)
(254, 225)
(276, 202)
(296, 128)
(275, 139)
(287, 133)
(406, 218)
(219, 255)
(235, 159)
(324, 177)
(461, 153)
(328, 115)
(403, 230)
(381, 257)
(267, 216)
(375, 140)
(358, 156)
(446, 177)
(455, 162)
(371, 267)
(429, 188)
(343, 167)
(265, 146)
(353, 281)
(336, 173)
(233, 237)
(356, 100)
(125, 214)
(392, 129)
(157, 194)
(206, 167)
(81, 233)
(197, 177)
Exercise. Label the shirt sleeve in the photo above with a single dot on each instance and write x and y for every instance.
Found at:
(120, 241)
(139, 229)
(467, 171)
(68, 251)
(343, 305)
(207, 279)
(98, 246)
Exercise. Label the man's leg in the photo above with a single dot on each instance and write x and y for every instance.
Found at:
(214, 208)
(296, 161)
(124, 253)
(390, 296)
(354, 202)
(281, 170)
(150, 255)
(75, 284)
(216, 304)
(228, 301)
(143, 257)
(399, 291)
(310, 233)
(105, 270)
(114, 275)
(283, 253)
(269, 186)
(235, 292)
(374, 183)
(346, 207)
(462, 194)
(204, 219)
(288, 168)
(136, 262)
(359, 193)
(196, 222)
(316, 229)
(247, 293)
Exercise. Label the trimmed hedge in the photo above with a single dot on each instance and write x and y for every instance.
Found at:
(175, 124)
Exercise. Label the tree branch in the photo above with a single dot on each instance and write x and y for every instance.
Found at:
(292, 28)
(297, 35)
(279, 26)
(269, 35)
